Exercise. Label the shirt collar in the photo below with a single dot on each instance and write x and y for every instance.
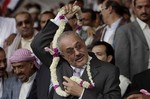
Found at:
(142, 24)
(114, 25)
(31, 78)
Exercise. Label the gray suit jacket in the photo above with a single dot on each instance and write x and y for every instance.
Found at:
(131, 50)
(12, 88)
(105, 75)
(4, 79)
(99, 33)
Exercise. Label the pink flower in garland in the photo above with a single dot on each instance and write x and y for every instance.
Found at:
(56, 52)
(61, 17)
(78, 27)
(145, 92)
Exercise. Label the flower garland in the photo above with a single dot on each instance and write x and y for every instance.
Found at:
(145, 92)
(56, 57)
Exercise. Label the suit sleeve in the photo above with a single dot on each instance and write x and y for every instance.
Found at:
(111, 88)
(42, 40)
(122, 52)
(136, 83)
(7, 89)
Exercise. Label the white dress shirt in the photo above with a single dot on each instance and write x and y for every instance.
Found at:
(110, 31)
(26, 43)
(82, 70)
(124, 82)
(146, 30)
(26, 87)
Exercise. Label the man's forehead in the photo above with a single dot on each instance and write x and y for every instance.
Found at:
(22, 16)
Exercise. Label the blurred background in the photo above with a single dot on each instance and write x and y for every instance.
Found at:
(13, 6)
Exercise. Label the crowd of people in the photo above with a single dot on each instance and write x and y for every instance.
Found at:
(77, 53)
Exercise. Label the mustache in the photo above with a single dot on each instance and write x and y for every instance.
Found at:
(144, 14)
(78, 56)
(2, 68)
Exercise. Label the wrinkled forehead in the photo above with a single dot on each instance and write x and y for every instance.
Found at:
(21, 63)
(21, 17)
(2, 54)
(69, 39)
(141, 2)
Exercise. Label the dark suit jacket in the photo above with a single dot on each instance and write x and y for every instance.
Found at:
(141, 81)
(131, 50)
(105, 75)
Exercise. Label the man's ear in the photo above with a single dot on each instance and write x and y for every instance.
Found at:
(110, 9)
(109, 58)
(75, 21)
(62, 56)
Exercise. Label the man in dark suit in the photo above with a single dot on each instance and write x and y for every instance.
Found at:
(139, 81)
(132, 42)
(73, 55)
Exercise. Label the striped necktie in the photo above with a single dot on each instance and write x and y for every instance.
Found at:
(76, 72)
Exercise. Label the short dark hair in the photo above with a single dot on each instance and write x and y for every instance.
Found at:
(49, 12)
(93, 13)
(134, 2)
(116, 6)
(109, 49)
(2, 50)
(72, 1)
(24, 12)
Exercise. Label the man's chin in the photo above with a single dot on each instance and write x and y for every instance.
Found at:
(2, 74)
(22, 79)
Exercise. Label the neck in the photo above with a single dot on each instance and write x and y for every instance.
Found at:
(148, 23)
(112, 19)
(26, 37)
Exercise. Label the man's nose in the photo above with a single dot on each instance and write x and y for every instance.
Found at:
(17, 71)
(76, 51)
(2, 64)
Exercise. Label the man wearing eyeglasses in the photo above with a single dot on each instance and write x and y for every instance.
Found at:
(26, 33)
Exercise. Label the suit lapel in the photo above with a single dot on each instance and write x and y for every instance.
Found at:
(17, 88)
(93, 69)
(139, 32)
(63, 70)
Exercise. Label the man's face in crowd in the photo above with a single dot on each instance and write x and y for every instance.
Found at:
(86, 19)
(142, 10)
(24, 25)
(74, 50)
(23, 70)
(44, 18)
(3, 63)
(105, 12)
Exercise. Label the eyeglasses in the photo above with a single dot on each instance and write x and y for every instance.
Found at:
(25, 22)
(103, 9)
(77, 47)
